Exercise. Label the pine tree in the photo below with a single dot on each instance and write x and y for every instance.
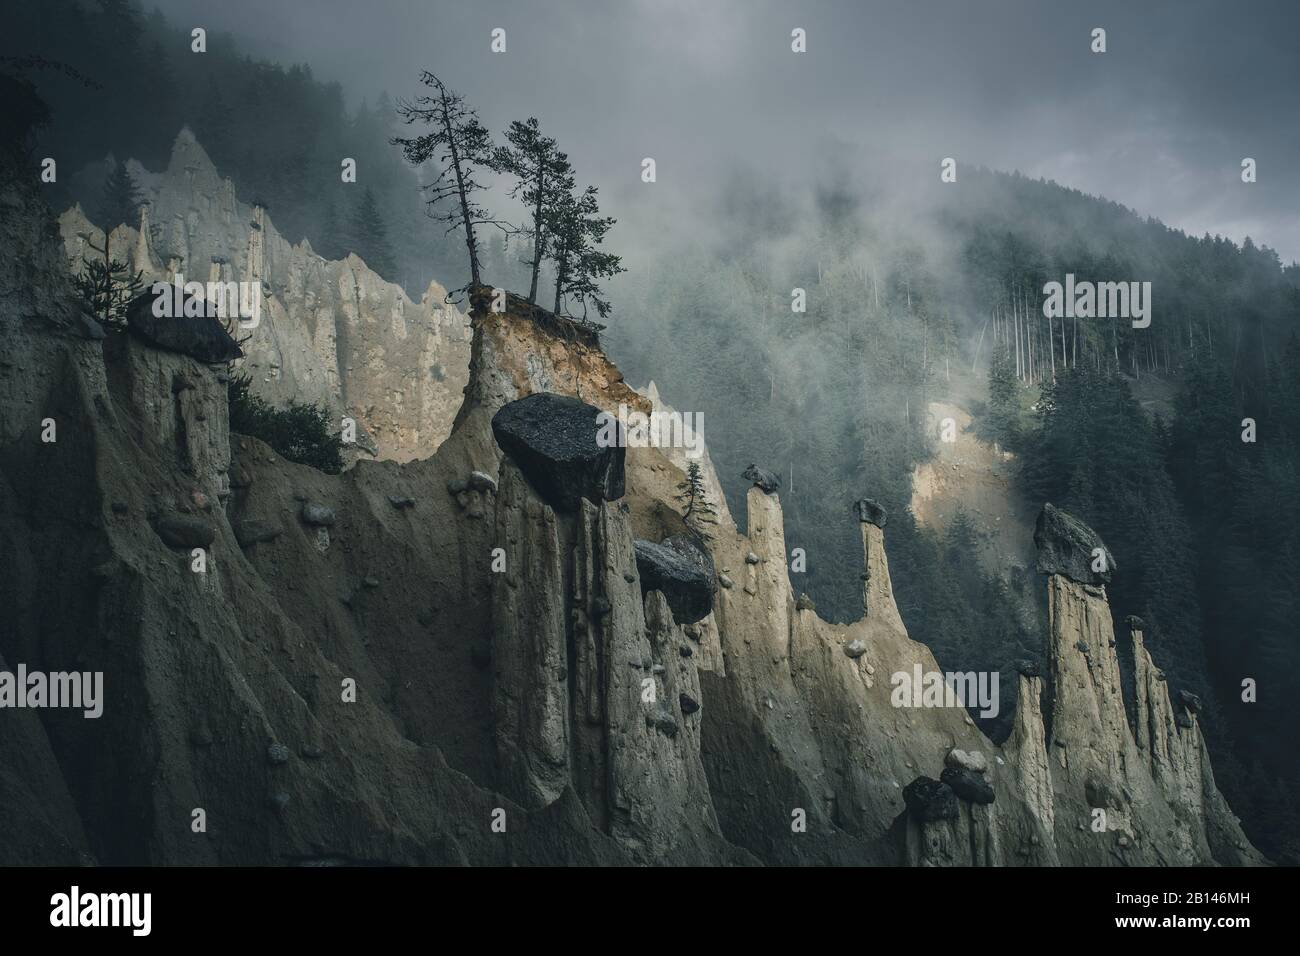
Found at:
(544, 181)
(576, 235)
(370, 237)
(458, 145)
(107, 286)
(1002, 423)
(699, 513)
(215, 128)
(157, 75)
(963, 539)
(121, 200)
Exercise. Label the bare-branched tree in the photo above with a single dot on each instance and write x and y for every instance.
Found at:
(458, 146)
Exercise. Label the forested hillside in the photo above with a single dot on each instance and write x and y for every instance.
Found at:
(121, 83)
(907, 302)
(1202, 524)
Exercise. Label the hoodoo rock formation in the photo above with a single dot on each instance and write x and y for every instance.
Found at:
(330, 333)
(199, 337)
(429, 679)
(679, 568)
(1148, 791)
(555, 440)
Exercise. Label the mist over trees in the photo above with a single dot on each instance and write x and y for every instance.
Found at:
(576, 235)
(543, 179)
(564, 228)
(276, 131)
(121, 199)
(367, 235)
(944, 303)
(1137, 431)
(459, 148)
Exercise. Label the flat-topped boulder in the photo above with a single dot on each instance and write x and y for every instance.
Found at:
(681, 571)
(870, 511)
(1068, 547)
(199, 337)
(567, 450)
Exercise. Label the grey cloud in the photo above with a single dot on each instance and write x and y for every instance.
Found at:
(1160, 122)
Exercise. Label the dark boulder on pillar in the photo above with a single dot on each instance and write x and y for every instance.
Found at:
(681, 571)
(568, 450)
(870, 511)
(768, 481)
(1069, 547)
(929, 800)
(199, 337)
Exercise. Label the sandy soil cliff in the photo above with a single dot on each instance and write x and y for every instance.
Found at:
(349, 681)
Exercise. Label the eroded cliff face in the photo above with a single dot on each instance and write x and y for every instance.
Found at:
(410, 663)
(330, 332)
(805, 721)
(592, 690)
(806, 753)
(1141, 794)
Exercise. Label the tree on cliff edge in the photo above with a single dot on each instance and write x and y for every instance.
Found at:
(545, 178)
(458, 145)
(107, 286)
(576, 236)
(699, 511)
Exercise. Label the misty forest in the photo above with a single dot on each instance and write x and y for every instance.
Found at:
(1178, 443)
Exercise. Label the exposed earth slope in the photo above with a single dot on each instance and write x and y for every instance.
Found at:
(349, 679)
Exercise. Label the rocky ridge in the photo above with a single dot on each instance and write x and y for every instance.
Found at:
(330, 332)
(375, 667)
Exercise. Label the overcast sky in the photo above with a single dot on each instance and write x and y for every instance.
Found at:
(1159, 122)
